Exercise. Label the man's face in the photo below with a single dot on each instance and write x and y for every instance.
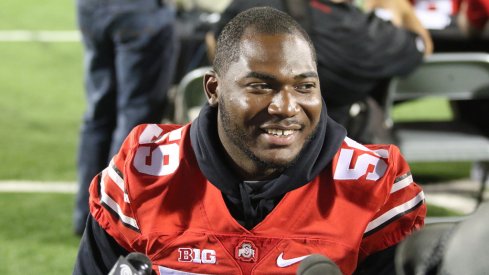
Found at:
(269, 101)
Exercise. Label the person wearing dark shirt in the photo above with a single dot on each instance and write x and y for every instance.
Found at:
(472, 20)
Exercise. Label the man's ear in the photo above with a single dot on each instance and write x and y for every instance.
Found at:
(211, 88)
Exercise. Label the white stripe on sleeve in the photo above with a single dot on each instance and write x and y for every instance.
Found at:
(119, 181)
(398, 210)
(405, 182)
(112, 204)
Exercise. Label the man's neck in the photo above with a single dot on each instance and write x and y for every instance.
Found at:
(249, 170)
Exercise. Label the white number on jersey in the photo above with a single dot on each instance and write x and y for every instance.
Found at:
(364, 161)
(162, 160)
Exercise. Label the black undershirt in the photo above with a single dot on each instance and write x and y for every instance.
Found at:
(249, 204)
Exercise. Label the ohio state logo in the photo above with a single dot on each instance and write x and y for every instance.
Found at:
(246, 251)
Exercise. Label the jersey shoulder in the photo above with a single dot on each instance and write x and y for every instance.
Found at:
(384, 179)
(355, 161)
(123, 195)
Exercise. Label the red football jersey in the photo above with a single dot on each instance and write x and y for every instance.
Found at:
(154, 199)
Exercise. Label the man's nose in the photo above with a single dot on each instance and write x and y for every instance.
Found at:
(284, 103)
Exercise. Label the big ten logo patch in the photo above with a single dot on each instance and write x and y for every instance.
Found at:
(195, 255)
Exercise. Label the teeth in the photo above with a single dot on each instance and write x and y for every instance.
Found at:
(278, 132)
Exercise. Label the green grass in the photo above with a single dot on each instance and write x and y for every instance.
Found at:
(40, 110)
(436, 211)
(36, 235)
(435, 109)
(440, 171)
(37, 15)
(42, 96)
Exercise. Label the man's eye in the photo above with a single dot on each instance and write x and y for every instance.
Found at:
(305, 87)
(260, 86)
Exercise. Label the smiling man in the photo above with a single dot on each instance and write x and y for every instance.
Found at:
(259, 181)
(269, 101)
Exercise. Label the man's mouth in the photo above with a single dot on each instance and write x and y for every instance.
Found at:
(280, 132)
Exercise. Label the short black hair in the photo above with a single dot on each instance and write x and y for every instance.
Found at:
(262, 20)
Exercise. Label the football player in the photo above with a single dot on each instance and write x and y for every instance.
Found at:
(261, 179)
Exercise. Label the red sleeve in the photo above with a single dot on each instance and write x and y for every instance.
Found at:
(111, 203)
(402, 213)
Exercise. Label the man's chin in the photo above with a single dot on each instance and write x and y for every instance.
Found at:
(275, 161)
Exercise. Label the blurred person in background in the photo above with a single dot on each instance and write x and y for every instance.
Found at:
(472, 20)
(473, 16)
(130, 48)
(358, 51)
(207, 5)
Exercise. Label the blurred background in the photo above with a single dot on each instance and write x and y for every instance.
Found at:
(42, 92)
(41, 106)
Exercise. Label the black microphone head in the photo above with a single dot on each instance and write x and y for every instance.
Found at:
(466, 251)
(447, 248)
(140, 262)
(318, 264)
(422, 252)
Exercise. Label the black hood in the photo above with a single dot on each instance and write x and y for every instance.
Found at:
(250, 203)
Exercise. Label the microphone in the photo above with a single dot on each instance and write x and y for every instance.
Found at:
(422, 252)
(316, 264)
(134, 263)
